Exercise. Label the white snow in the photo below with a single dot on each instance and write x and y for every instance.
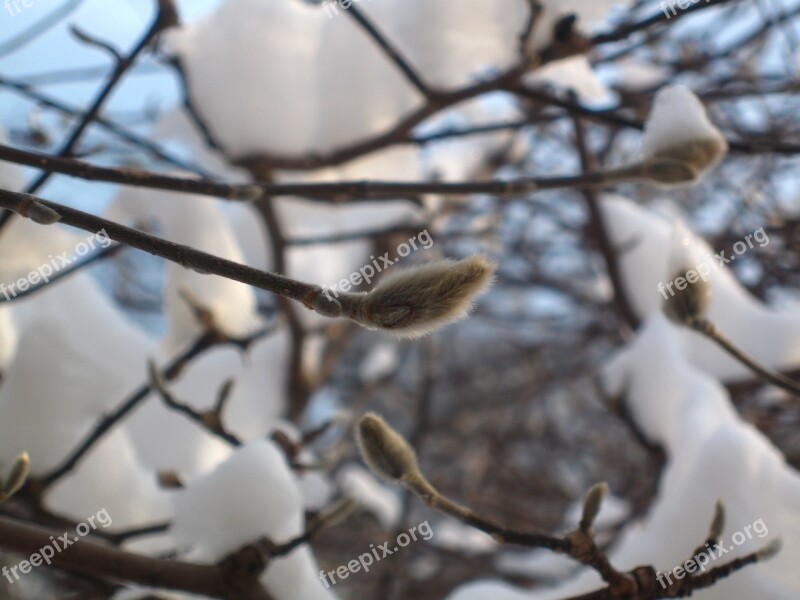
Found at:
(199, 222)
(308, 79)
(772, 336)
(676, 118)
(213, 517)
(384, 502)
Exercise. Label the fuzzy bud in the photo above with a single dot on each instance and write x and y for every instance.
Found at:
(718, 523)
(690, 303)
(384, 450)
(43, 215)
(680, 143)
(592, 504)
(417, 301)
(687, 163)
(17, 477)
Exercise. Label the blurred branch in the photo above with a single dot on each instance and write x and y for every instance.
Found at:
(107, 563)
(597, 229)
(206, 341)
(210, 420)
(39, 28)
(625, 30)
(392, 53)
(166, 16)
(114, 129)
(64, 273)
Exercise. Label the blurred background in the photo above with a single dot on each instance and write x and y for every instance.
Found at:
(509, 411)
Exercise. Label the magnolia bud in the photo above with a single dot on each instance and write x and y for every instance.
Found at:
(689, 303)
(592, 504)
(685, 163)
(384, 450)
(18, 475)
(41, 214)
(680, 143)
(416, 301)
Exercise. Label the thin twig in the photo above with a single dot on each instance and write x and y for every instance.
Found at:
(713, 333)
(204, 342)
(390, 51)
(210, 421)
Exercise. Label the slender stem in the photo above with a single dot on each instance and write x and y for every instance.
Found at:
(130, 137)
(108, 563)
(185, 256)
(210, 421)
(390, 51)
(426, 492)
(166, 16)
(770, 376)
(498, 532)
(333, 191)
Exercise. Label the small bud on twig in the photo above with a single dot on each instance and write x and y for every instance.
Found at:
(690, 303)
(718, 523)
(416, 301)
(41, 214)
(17, 477)
(687, 163)
(770, 550)
(591, 505)
(384, 450)
(680, 143)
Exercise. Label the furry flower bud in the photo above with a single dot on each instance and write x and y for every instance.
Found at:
(680, 143)
(384, 450)
(416, 301)
(690, 303)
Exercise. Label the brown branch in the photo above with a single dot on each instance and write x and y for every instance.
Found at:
(182, 255)
(331, 191)
(211, 420)
(112, 128)
(298, 386)
(625, 30)
(205, 342)
(166, 16)
(392, 53)
(106, 563)
(598, 230)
